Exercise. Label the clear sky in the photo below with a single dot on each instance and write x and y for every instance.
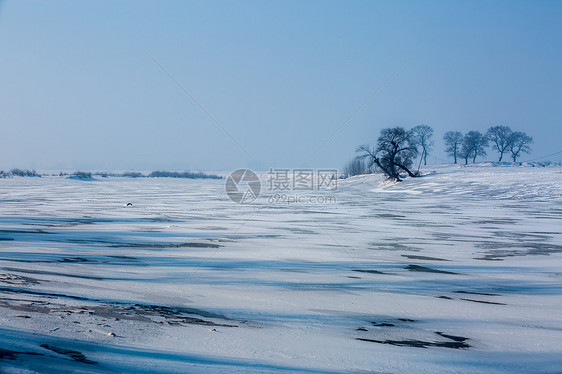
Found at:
(79, 87)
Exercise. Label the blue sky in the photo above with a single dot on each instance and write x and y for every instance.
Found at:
(79, 87)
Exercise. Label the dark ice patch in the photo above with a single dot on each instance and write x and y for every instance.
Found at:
(427, 270)
(416, 257)
(75, 355)
(419, 343)
(370, 271)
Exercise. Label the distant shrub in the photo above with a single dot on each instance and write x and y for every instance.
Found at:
(82, 175)
(24, 173)
(355, 167)
(184, 174)
(132, 174)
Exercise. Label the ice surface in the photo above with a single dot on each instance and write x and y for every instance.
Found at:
(456, 271)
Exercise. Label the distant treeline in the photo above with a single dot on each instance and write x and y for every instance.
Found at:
(18, 173)
(185, 174)
(127, 174)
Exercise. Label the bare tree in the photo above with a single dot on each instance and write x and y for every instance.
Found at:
(453, 141)
(465, 150)
(474, 145)
(355, 167)
(422, 135)
(519, 142)
(501, 137)
(395, 152)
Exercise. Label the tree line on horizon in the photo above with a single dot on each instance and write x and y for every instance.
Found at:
(397, 149)
(85, 175)
(502, 139)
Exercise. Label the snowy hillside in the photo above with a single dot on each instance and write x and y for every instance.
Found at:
(456, 271)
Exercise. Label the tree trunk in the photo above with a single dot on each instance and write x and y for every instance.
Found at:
(391, 173)
(406, 170)
(516, 154)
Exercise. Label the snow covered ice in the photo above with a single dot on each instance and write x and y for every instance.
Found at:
(456, 271)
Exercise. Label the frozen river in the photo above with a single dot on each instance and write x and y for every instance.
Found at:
(456, 271)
